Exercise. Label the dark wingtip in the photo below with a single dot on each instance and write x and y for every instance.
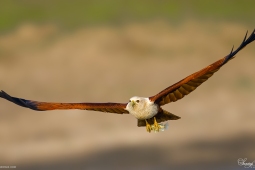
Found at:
(245, 36)
(6, 96)
(245, 42)
(21, 102)
(1, 93)
(232, 50)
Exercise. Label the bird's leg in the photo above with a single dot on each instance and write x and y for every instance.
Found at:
(148, 126)
(156, 126)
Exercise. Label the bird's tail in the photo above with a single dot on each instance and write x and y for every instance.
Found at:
(162, 116)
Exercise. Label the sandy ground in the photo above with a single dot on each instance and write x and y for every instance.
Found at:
(112, 64)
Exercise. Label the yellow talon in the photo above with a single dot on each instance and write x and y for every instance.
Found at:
(156, 126)
(148, 127)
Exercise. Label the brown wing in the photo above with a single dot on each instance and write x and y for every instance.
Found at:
(42, 106)
(190, 83)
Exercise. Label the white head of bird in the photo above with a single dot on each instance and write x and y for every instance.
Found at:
(142, 107)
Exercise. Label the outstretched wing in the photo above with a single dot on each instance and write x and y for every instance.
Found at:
(190, 83)
(118, 108)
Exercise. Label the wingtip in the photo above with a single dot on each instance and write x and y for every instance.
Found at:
(18, 101)
(3, 94)
(245, 42)
(245, 36)
(6, 96)
(232, 49)
(253, 32)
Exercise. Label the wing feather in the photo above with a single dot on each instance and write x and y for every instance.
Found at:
(182, 88)
(118, 108)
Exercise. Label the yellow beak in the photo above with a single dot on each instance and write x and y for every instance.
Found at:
(133, 103)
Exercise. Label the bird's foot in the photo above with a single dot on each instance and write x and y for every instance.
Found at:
(156, 126)
(148, 127)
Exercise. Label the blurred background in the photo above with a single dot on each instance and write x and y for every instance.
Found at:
(109, 51)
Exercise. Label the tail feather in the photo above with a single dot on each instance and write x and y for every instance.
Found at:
(162, 116)
(170, 116)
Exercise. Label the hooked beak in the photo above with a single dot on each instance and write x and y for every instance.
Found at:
(133, 103)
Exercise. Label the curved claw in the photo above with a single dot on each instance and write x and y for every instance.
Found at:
(148, 127)
(156, 126)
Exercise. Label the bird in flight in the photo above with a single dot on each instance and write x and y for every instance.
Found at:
(147, 110)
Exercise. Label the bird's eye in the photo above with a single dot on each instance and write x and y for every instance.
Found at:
(129, 100)
(137, 101)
